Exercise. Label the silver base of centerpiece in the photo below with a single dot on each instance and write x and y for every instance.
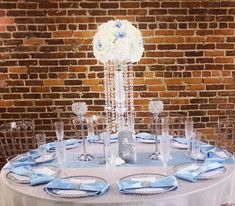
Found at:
(85, 157)
(154, 156)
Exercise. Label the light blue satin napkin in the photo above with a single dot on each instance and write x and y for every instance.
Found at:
(193, 175)
(23, 160)
(96, 139)
(98, 188)
(35, 178)
(51, 147)
(181, 140)
(145, 136)
(211, 154)
(127, 186)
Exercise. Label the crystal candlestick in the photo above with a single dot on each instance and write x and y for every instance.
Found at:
(80, 108)
(155, 107)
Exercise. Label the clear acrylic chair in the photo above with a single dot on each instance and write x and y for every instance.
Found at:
(226, 134)
(17, 137)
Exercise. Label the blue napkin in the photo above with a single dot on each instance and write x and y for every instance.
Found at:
(211, 154)
(192, 175)
(22, 170)
(34, 154)
(35, 178)
(96, 139)
(63, 184)
(38, 179)
(125, 186)
(145, 136)
(181, 140)
(23, 160)
(50, 147)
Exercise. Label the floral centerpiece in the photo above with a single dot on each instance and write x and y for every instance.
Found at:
(118, 41)
(118, 44)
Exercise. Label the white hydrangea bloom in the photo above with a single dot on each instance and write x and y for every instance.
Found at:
(118, 41)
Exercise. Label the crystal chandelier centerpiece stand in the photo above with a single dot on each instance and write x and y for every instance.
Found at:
(119, 100)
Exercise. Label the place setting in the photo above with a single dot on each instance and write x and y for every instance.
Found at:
(77, 187)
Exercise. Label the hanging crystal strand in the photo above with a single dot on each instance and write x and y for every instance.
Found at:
(131, 94)
(112, 95)
(107, 96)
(127, 116)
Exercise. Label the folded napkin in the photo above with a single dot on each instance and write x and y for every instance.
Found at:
(23, 160)
(50, 147)
(35, 178)
(145, 136)
(98, 188)
(127, 186)
(214, 154)
(38, 179)
(181, 140)
(192, 175)
(96, 139)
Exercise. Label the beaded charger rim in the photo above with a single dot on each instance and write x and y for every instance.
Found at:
(147, 192)
(86, 194)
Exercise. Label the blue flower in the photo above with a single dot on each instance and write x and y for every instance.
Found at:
(118, 23)
(120, 34)
(98, 45)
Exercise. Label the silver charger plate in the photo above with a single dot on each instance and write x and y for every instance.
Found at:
(146, 178)
(75, 193)
(54, 171)
(195, 165)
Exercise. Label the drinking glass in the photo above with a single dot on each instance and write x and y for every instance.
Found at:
(61, 154)
(105, 137)
(165, 150)
(59, 129)
(196, 141)
(90, 125)
(41, 141)
(165, 126)
(189, 130)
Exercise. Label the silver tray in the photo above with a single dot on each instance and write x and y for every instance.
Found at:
(26, 179)
(75, 193)
(146, 190)
(205, 176)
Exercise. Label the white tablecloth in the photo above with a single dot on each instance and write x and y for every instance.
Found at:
(214, 192)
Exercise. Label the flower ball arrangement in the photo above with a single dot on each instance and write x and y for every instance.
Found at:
(118, 41)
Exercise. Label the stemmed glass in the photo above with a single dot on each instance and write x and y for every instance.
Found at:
(41, 141)
(61, 155)
(165, 150)
(155, 107)
(80, 108)
(59, 129)
(196, 141)
(189, 131)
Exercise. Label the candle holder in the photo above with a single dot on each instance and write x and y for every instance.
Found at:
(155, 107)
(79, 109)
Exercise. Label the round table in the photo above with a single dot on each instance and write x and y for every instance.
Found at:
(214, 192)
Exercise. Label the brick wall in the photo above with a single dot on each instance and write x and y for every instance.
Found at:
(47, 60)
